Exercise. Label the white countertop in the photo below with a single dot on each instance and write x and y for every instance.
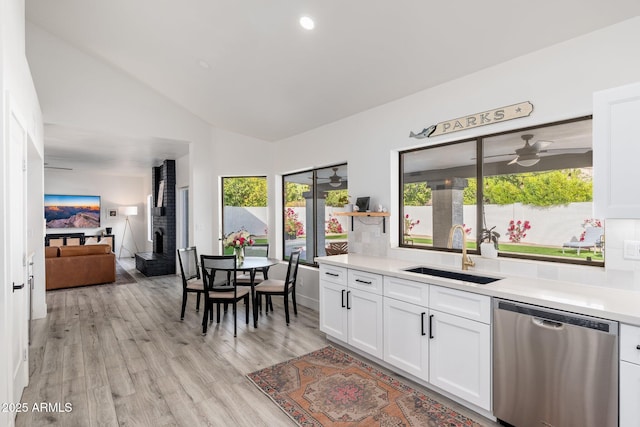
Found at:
(613, 304)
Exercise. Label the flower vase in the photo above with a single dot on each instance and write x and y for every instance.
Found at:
(239, 251)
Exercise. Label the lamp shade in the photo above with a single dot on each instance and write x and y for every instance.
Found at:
(128, 210)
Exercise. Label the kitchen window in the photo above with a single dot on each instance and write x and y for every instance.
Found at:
(311, 200)
(532, 186)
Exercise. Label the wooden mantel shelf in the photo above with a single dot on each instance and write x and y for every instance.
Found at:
(382, 215)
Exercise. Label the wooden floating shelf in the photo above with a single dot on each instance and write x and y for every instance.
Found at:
(361, 213)
(382, 215)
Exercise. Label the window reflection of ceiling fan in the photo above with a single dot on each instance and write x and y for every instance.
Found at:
(334, 180)
(529, 154)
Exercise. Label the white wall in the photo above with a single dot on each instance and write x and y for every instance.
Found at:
(559, 81)
(83, 92)
(114, 192)
(17, 94)
(239, 155)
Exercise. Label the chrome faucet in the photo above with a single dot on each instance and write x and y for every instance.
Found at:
(466, 261)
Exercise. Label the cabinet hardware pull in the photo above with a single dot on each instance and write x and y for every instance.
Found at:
(431, 327)
(363, 281)
(17, 287)
(423, 333)
(331, 274)
(348, 306)
(343, 306)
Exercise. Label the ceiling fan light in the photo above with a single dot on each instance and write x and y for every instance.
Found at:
(528, 162)
(335, 184)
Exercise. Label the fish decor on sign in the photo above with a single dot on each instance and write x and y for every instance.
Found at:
(424, 134)
(502, 114)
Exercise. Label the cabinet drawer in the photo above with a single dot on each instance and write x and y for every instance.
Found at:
(337, 275)
(630, 343)
(407, 290)
(460, 303)
(369, 282)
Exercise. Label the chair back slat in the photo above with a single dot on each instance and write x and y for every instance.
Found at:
(292, 269)
(214, 264)
(257, 250)
(188, 259)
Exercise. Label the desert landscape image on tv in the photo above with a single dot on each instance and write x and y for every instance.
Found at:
(64, 211)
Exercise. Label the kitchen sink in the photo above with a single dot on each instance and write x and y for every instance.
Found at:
(481, 280)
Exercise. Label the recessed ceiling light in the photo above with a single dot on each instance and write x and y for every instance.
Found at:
(204, 64)
(307, 23)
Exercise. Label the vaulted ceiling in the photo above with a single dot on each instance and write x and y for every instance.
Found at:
(247, 66)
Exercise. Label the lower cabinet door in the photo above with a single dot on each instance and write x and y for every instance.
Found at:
(629, 394)
(333, 312)
(364, 313)
(406, 337)
(460, 358)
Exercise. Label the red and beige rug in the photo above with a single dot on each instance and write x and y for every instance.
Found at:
(331, 388)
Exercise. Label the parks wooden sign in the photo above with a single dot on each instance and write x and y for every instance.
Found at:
(497, 115)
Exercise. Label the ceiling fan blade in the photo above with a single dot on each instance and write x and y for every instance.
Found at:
(567, 150)
(497, 155)
(541, 145)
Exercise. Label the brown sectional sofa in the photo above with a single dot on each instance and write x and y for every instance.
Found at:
(70, 266)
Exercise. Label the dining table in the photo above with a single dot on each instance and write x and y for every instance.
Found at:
(251, 265)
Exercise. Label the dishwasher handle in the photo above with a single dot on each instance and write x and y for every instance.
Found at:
(548, 324)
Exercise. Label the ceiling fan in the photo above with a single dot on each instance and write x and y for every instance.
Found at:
(529, 154)
(334, 180)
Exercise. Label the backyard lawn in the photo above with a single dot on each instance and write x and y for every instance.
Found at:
(523, 248)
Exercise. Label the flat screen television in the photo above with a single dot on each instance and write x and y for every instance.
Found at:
(67, 211)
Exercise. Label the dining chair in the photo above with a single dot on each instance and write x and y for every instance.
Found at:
(191, 281)
(222, 289)
(257, 250)
(275, 287)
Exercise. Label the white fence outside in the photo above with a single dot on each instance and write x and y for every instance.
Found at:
(254, 219)
(550, 226)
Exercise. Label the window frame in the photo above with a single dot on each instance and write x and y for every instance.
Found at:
(480, 195)
(314, 186)
(222, 205)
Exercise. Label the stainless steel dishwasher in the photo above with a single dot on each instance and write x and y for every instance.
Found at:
(552, 368)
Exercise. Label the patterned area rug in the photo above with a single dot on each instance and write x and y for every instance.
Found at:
(329, 387)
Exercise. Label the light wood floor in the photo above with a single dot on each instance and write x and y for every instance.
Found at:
(121, 356)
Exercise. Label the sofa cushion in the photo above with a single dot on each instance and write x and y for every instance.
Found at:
(84, 250)
(51, 251)
(56, 242)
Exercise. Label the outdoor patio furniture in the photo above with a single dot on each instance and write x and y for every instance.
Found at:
(337, 248)
(592, 240)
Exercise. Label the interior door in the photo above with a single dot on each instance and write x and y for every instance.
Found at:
(19, 301)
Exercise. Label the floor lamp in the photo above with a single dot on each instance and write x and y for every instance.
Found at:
(128, 211)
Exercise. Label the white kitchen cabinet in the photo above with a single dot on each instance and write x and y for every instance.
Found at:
(406, 336)
(616, 151)
(460, 357)
(333, 313)
(464, 304)
(440, 335)
(349, 313)
(629, 376)
(364, 319)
